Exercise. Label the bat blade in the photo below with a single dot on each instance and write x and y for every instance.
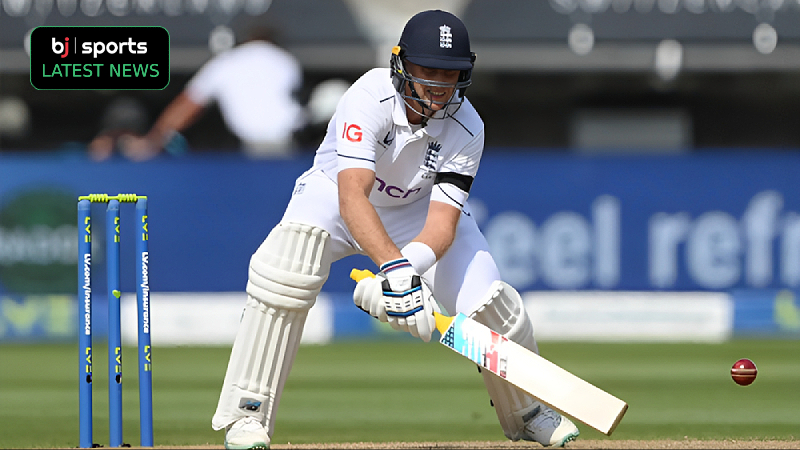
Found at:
(535, 375)
(558, 388)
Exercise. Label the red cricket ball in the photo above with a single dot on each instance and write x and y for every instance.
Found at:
(744, 372)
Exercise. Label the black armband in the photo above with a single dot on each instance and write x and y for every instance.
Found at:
(463, 182)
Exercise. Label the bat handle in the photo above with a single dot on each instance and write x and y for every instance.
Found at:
(358, 275)
(442, 321)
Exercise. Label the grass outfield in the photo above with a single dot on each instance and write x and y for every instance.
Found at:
(407, 391)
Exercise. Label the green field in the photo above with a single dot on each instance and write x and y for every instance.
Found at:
(407, 391)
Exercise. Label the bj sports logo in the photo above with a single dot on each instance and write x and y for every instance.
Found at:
(99, 58)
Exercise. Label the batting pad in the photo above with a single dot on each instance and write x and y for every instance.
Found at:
(503, 312)
(286, 275)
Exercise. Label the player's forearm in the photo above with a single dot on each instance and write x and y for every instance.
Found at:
(367, 229)
(440, 228)
(178, 115)
(361, 218)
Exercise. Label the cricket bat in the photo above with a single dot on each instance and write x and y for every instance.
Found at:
(554, 386)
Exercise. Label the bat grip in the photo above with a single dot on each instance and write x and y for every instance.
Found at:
(358, 275)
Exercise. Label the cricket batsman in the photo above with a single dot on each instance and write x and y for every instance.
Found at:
(390, 180)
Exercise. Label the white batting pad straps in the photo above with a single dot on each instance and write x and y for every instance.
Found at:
(290, 266)
(503, 312)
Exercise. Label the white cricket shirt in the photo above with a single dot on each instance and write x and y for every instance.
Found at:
(253, 85)
(370, 130)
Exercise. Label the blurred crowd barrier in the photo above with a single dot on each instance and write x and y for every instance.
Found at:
(718, 231)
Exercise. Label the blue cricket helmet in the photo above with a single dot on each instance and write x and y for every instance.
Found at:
(438, 40)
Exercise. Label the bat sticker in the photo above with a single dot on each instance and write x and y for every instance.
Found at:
(480, 344)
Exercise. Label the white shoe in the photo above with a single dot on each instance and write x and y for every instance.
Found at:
(549, 428)
(245, 434)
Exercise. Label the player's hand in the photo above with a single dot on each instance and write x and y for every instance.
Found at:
(138, 149)
(368, 296)
(407, 299)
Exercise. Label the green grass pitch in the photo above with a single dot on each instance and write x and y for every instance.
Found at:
(406, 391)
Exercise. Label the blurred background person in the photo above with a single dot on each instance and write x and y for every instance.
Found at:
(321, 105)
(255, 85)
(125, 118)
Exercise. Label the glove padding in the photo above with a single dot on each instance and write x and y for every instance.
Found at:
(368, 296)
(408, 301)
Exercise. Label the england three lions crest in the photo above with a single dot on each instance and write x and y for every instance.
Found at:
(431, 158)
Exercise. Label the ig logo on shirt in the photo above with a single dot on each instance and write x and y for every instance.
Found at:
(352, 132)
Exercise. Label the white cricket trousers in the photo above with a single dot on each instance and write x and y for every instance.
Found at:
(459, 280)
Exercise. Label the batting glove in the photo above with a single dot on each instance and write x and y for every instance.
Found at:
(368, 296)
(407, 299)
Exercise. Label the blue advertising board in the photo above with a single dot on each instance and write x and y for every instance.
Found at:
(712, 222)
(696, 222)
